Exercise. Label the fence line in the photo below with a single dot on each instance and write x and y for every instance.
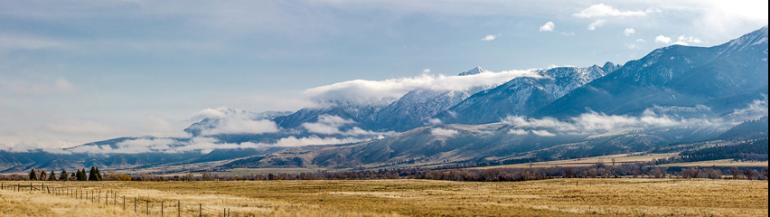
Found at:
(94, 195)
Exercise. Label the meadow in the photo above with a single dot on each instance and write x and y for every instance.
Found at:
(558, 197)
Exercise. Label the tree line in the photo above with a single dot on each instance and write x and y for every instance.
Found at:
(599, 170)
(79, 175)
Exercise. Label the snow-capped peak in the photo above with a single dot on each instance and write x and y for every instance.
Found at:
(473, 71)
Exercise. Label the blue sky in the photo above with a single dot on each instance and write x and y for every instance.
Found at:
(73, 71)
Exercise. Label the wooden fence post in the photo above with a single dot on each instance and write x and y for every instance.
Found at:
(148, 207)
(178, 208)
(162, 207)
(200, 210)
(134, 204)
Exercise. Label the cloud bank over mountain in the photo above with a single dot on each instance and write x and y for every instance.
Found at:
(385, 91)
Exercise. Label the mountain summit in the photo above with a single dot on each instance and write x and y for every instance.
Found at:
(473, 71)
(722, 77)
(521, 95)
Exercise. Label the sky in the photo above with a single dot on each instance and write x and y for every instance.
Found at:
(75, 71)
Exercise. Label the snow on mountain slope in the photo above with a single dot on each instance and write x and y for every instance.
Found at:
(722, 77)
(413, 109)
(522, 95)
(416, 108)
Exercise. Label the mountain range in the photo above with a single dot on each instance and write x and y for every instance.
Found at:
(673, 95)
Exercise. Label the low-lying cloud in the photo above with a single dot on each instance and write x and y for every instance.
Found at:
(384, 91)
(233, 121)
(242, 126)
(202, 144)
(443, 132)
(598, 124)
(335, 125)
(327, 124)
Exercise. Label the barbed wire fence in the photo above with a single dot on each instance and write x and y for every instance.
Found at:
(110, 197)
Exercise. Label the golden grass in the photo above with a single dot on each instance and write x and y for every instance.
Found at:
(563, 197)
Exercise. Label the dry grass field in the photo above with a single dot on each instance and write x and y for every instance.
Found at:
(562, 197)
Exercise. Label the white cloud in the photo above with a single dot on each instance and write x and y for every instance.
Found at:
(518, 132)
(591, 124)
(426, 71)
(243, 126)
(333, 125)
(629, 31)
(662, 39)
(687, 40)
(603, 10)
(385, 91)
(443, 133)
(543, 133)
(220, 112)
(523, 132)
(313, 140)
(755, 110)
(200, 144)
(655, 118)
(489, 38)
(726, 17)
(681, 40)
(548, 27)
(596, 24)
(327, 124)
(132, 146)
(234, 121)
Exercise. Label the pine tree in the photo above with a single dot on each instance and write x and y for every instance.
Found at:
(98, 174)
(63, 176)
(32, 175)
(82, 175)
(43, 176)
(52, 176)
(92, 174)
